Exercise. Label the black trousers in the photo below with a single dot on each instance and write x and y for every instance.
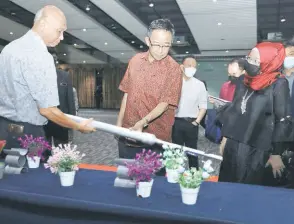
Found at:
(12, 130)
(186, 134)
(129, 152)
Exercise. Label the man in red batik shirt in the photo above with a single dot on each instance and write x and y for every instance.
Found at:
(152, 86)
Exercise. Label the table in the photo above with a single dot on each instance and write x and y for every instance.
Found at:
(37, 197)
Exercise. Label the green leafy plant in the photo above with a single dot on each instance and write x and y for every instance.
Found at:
(173, 158)
(191, 178)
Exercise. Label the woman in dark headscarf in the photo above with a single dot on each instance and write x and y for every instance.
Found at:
(257, 124)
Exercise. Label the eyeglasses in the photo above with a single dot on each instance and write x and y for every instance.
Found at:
(158, 46)
(252, 61)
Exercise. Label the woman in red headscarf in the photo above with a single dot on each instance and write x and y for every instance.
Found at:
(257, 124)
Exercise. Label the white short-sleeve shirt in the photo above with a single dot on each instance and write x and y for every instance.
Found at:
(28, 80)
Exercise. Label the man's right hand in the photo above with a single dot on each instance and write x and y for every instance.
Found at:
(211, 100)
(85, 128)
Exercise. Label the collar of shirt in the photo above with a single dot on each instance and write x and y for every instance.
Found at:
(38, 39)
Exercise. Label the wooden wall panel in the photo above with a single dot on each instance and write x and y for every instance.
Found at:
(84, 80)
(112, 96)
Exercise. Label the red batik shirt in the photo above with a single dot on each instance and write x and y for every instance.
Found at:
(147, 85)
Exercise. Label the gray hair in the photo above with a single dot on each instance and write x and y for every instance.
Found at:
(161, 24)
(38, 15)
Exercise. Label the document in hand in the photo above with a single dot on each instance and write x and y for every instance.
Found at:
(219, 101)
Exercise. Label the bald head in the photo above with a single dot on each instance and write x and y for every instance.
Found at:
(50, 23)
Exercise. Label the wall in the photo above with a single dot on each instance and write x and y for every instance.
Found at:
(214, 73)
(112, 77)
(84, 80)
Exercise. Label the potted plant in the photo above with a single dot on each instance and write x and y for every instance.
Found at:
(146, 164)
(190, 181)
(65, 162)
(174, 160)
(36, 147)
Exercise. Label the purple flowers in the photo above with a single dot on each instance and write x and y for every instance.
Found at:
(145, 166)
(36, 146)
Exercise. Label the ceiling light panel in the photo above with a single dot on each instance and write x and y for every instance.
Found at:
(73, 56)
(238, 18)
(123, 16)
(78, 20)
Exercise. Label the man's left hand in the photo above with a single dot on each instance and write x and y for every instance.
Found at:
(138, 126)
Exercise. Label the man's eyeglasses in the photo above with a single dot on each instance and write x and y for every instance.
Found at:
(158, 46)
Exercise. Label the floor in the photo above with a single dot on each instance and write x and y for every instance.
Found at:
(101, 147)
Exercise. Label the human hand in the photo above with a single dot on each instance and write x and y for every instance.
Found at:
(195, 123)
(85, 128)
(275, 161)
(222, 146)
(138, 126)
(211, 100)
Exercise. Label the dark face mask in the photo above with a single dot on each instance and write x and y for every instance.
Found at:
(252, 70)
(233, 79)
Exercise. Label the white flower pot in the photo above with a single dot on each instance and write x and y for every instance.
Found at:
(172, 175)
(189, 195)
(144, 189)
(33, 163)
(67, 178)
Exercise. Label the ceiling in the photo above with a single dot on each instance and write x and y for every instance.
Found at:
(112, 31)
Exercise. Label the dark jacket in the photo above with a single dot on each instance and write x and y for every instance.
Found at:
(66, 105)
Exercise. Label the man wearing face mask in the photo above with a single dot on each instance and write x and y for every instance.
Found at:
(191, 110)
(236, 72)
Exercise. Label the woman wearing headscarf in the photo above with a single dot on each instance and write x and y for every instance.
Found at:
(257, 124)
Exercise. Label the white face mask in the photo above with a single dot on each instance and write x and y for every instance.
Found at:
(289, 62)
(190, 72)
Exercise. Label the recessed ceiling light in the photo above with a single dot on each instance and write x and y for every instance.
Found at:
(219, 24)
(11, 33)
(178, 41)
(141, 46)
(64, 54)
(122, 53)
(88, 8)
(283, 20)
(227, 51)
(75, 45)
(84, 29)
(133, 41)
(151, 5)
(57, 62)
(187, 52)
(84, 62)
(105, 43)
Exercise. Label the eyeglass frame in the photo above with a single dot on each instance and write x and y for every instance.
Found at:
(159, 46)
